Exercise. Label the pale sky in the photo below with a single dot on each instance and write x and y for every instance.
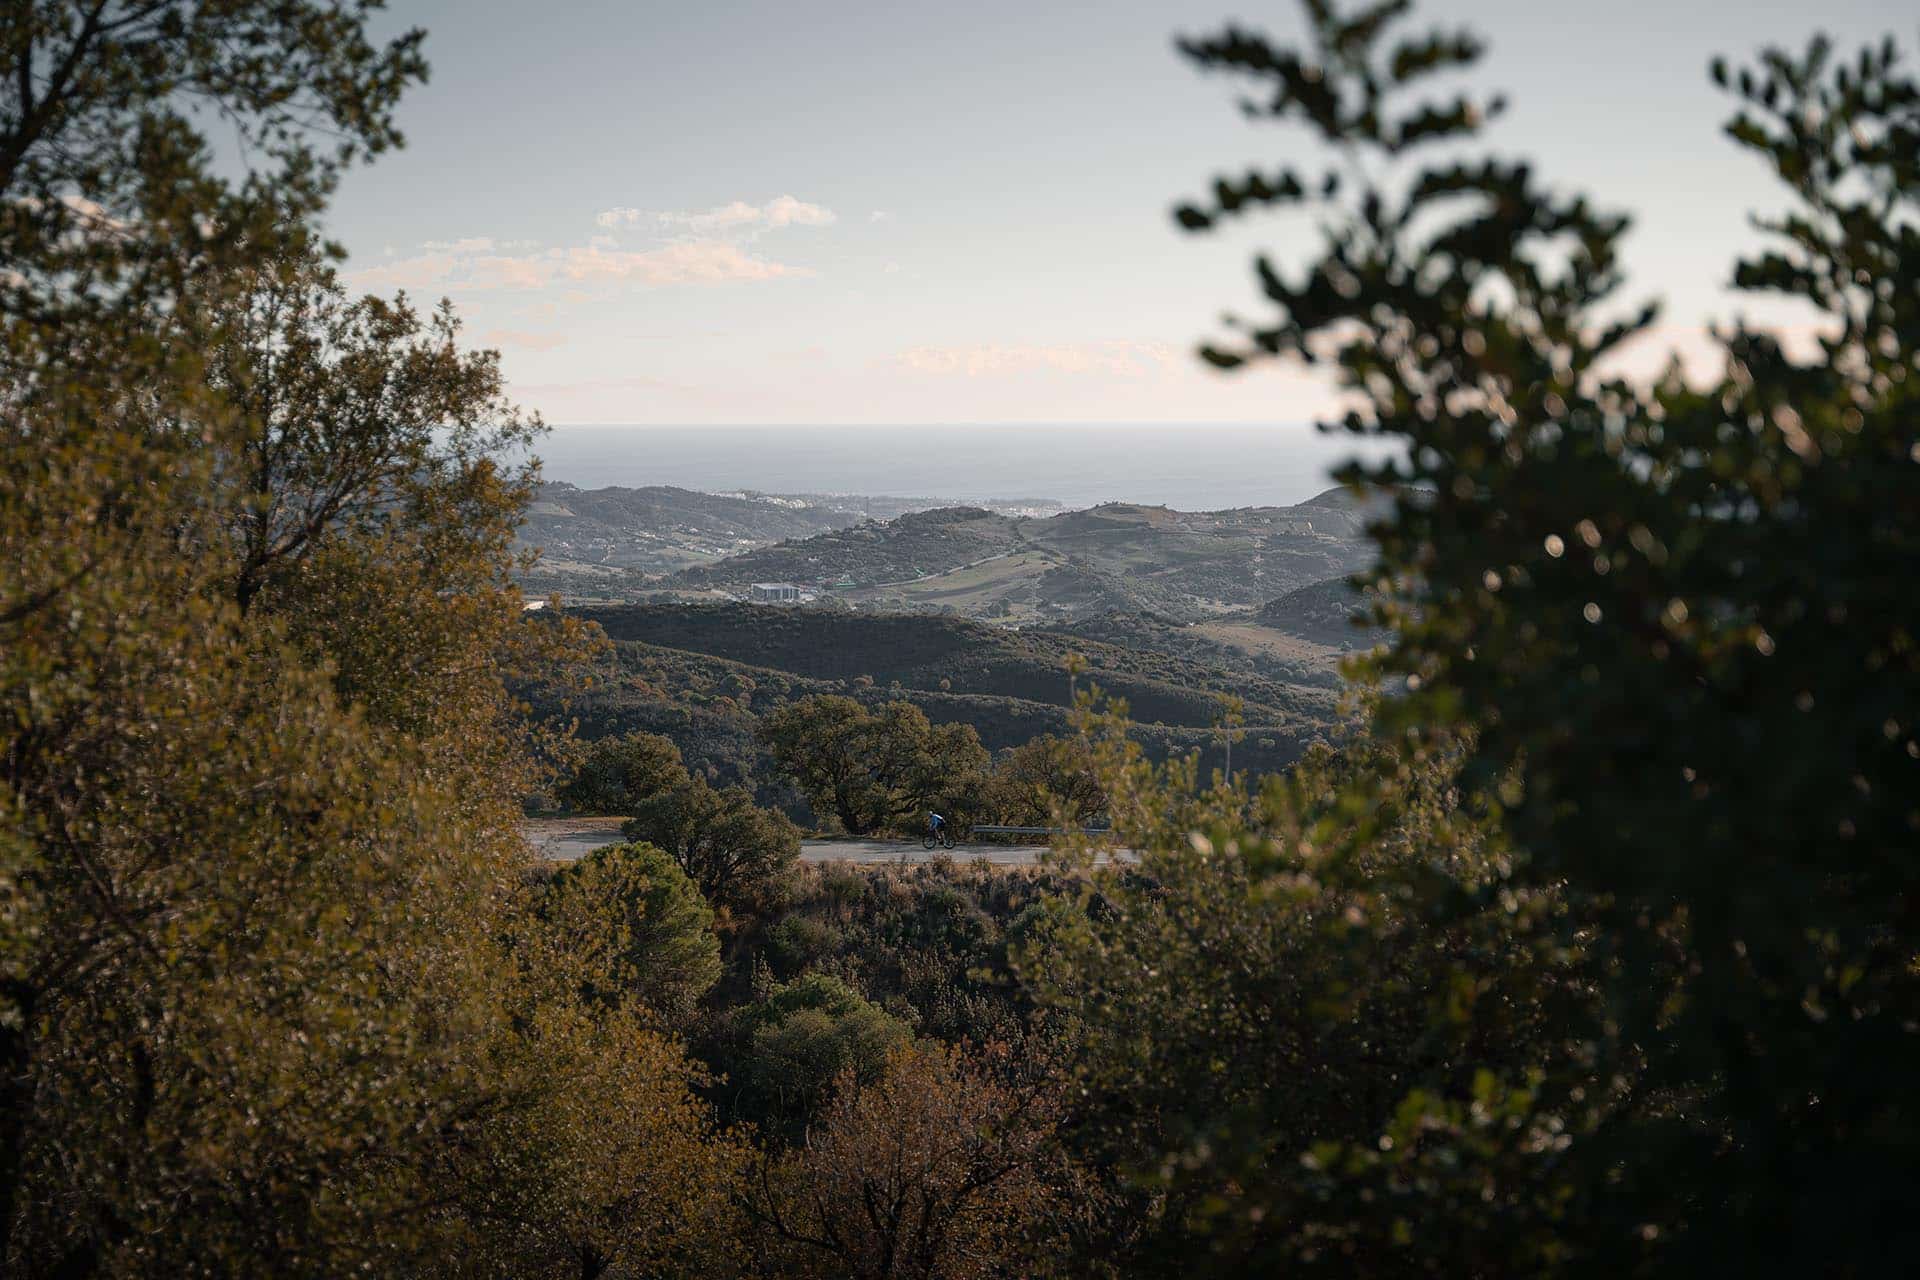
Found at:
(828, 211)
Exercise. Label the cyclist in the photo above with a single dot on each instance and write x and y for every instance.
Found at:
(936, 825)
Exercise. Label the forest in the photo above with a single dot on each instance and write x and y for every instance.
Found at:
(1576, 933)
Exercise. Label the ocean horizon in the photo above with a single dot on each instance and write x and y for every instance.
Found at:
(1195, 468)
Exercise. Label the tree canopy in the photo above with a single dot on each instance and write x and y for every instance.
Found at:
(111, 192)
(875, 768)
(274, 991)
(1661, 623)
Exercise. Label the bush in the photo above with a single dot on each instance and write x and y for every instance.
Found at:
(641, 926)
(934, 1169)
(739, 854)
(883, 768)
(620, 774)
(799, 1040)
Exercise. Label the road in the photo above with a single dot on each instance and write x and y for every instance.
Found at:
(847, 850)
(566, 839)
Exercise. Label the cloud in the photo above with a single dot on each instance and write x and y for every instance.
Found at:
(422, 271)
(690, 248)
(612, 218)
(781, 211)
(693, 262)
(878, 215)
(690, 262)
(1117, 358)
(521, 338)
(478, 244)
(637, 382)
(784, 210)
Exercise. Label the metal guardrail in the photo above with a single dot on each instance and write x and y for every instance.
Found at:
(985, 830)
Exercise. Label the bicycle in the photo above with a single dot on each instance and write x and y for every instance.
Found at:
(943, 838)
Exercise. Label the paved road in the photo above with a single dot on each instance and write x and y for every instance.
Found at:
(843, 850)
(566, 839)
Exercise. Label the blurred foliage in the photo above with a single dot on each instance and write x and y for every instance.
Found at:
(1661, 628)
(1271, 976)
(927, 942)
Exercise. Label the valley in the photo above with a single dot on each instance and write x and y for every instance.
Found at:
(705, 674)
(974, 616)
(1015, 565)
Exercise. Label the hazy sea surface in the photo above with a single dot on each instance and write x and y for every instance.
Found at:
(1192, 468)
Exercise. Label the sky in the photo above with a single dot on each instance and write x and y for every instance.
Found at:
(838, 212)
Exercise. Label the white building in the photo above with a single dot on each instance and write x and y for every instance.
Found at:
(775, 593)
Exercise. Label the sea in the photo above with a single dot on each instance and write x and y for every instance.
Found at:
(1191, 468)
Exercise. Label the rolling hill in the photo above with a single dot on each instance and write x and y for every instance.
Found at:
(703, 673)
(1117, 557)
(659, 529)
(1329, 613)
(618, 543)
(954, 655)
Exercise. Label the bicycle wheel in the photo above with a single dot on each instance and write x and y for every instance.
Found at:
(929, 840)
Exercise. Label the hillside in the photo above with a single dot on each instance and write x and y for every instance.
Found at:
(1117, 557)
(1338, 503)
(1237, 643)
(659, 529)
(619, 544)
(703, 674)
(872, 553)
(954, 655)
(1327, 613)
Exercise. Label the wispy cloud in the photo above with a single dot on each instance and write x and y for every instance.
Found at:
(521, 338)
(690, 262)
(781, 211)
(1112, 359)
(713, 246)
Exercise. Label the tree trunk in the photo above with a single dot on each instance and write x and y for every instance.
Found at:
(16, 1098)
